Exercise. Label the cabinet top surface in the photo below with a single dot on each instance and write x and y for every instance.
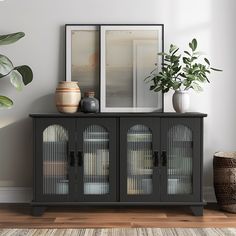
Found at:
(92, 115)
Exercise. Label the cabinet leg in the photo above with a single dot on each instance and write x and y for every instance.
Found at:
(38, 210)
(197, 210)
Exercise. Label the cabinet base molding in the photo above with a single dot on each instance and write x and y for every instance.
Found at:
(118, 203)
(38, 208)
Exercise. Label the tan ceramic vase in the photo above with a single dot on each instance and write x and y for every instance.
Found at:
(67, 97)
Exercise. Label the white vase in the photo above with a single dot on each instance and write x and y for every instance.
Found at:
(181, 101)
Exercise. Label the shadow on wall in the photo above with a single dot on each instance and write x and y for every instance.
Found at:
(16, 143)
(17, 146)
(44, 104)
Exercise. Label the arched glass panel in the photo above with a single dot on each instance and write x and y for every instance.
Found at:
(55, 175)
(180, 158)
(96, 160)
(139, 160)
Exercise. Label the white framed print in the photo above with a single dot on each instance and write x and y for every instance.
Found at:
(128, 53)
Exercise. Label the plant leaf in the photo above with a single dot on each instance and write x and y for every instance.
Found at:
(196, 69)
(152, 87)
(193, 58)
(172, 48)
(162, 54)
(5, 66)
(194, 43)
(166, 90)
(11, 38)
(202, 79)
(196, 87)
(186, 60)
(176, 50)
(191, 46)
(16, 80)
(26, 73)
(215, 69)
(147, 77)
(158, 89)
(5, 102)
(177, 69)
(176, 85)
(153, 71)
(207, 61)
(187, 53)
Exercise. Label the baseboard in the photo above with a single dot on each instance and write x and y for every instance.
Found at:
(15, 195)
(24, 195)
(209, 194)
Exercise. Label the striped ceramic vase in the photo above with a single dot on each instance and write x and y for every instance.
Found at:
(67, 97)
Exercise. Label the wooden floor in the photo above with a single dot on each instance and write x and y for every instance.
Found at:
(18, 216)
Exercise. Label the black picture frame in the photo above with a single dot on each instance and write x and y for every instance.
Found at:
(94, 85)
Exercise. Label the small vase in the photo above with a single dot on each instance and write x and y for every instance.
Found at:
(89, 103)
(181, 101)
(67, 97)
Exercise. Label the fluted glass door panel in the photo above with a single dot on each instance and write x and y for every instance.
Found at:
(139, 160)
(180, 160)
(96, 160)
(55, 163)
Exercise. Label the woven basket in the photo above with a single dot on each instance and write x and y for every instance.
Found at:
(224, 165)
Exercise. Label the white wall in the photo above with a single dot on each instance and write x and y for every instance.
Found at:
(210, 21)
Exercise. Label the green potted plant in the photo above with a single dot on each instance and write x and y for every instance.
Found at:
(18, 75)
(181, 73)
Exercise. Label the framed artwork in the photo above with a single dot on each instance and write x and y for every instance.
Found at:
(82, 56)
(128, 53)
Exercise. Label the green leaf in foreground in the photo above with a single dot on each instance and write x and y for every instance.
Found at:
(5, 102)
(11, 38)
(26, 73)
(16, 80)
(5, 65)
(18, 76)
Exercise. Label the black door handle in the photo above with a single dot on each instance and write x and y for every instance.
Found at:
(164, 158)
(156, 158)
(80, 158)
(72, 158)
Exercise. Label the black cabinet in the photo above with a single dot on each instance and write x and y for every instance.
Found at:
(118, 159)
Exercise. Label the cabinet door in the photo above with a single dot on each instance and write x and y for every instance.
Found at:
(139, 159)
(54, 159)
(181, 159)
(97, 159)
